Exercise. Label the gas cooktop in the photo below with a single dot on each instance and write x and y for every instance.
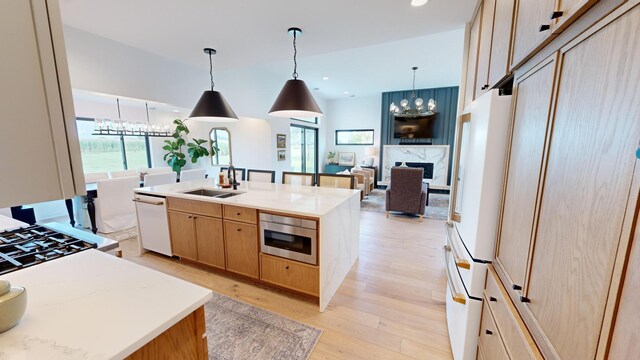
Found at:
(36, 244)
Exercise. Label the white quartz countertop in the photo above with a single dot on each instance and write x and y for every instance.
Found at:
(92, 305)
(7, 223)
(295, 199)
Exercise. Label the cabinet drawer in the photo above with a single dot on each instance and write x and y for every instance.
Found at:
(490, 341)
(243, 214)
(516, 337)
(195, 207)
(290, 274)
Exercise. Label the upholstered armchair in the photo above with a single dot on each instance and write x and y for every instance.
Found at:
(406, 192)
(368, 179)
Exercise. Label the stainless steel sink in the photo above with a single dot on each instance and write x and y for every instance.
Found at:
(211, 193)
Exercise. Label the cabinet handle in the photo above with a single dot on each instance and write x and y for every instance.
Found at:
(190, 217)
(484, 87)
(516, 287)
(238, 229)
(556, 14)
(237, 214)
(544, 28)
(287, 267)
(524, 299)
(157, 203)
(488, 332)
(491, 298)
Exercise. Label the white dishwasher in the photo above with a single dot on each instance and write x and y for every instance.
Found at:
(153, 224)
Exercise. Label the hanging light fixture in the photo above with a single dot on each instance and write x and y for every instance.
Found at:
(128, 128)
(295, 99)
(420, 109)
(212, 106)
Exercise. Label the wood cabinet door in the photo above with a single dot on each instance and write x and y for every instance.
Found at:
(532, 105)
(472, 59)
(624, 343)
(210, 241)
(241, 244)
(484, 49)
(529, 17)
(588, 201)
(183, 239)
(501, 41)
(566, 11)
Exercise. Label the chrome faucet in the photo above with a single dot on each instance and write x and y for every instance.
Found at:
(232, 170)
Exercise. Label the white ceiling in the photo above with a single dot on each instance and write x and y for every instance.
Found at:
(252, 33)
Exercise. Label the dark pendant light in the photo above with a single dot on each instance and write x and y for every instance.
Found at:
(212, 105)
(295, 99)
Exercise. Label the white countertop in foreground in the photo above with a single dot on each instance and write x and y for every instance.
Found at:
(93, 305)
(296, 199)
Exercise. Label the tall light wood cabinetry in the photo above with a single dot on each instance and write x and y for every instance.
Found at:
(624, 343)
(489, 47)
(472, 59)
(501, 41)
(538, 21)
(37, 106)
(532, 106)
(484, 50)
(568, 215)
(586, 207)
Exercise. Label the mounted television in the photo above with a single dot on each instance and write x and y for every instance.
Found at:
(414, 126)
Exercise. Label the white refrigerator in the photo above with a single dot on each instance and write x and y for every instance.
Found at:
(482, 132)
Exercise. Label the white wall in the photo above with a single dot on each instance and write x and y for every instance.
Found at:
(353, 113)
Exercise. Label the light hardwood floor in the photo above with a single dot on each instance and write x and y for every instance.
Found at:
(390, 306)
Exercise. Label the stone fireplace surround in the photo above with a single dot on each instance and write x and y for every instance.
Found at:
(436, 154)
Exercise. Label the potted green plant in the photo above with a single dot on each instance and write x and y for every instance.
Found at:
(174, 157)
(331, 158)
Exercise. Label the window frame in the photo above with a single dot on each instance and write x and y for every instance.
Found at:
(123, 150)
(355, 130)
(217, 157)
(304, 155)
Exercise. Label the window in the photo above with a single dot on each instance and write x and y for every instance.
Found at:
(304, 149)
(354, 137)
(220, 138)
(110, 153)
(313, 120)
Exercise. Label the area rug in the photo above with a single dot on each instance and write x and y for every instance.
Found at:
(239, 331)
(438, 208)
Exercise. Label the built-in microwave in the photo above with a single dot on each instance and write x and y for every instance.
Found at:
(289, 237)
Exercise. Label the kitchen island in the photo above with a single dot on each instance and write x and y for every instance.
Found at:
(225, 229)
(92, 305)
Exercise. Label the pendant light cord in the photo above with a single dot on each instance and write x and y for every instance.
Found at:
(147, 107)
(295, 55)
(211, 70)
(118, 103)
(413, 92)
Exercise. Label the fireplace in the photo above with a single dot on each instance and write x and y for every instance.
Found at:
(427, 168)
(434, 159)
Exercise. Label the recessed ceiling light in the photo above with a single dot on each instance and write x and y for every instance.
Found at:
(176, 110)
(346, 92)
(353, 95)
(325, 78)
(418, 2)
(316, 88)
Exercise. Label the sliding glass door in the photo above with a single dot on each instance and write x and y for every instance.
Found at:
(304, 149)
